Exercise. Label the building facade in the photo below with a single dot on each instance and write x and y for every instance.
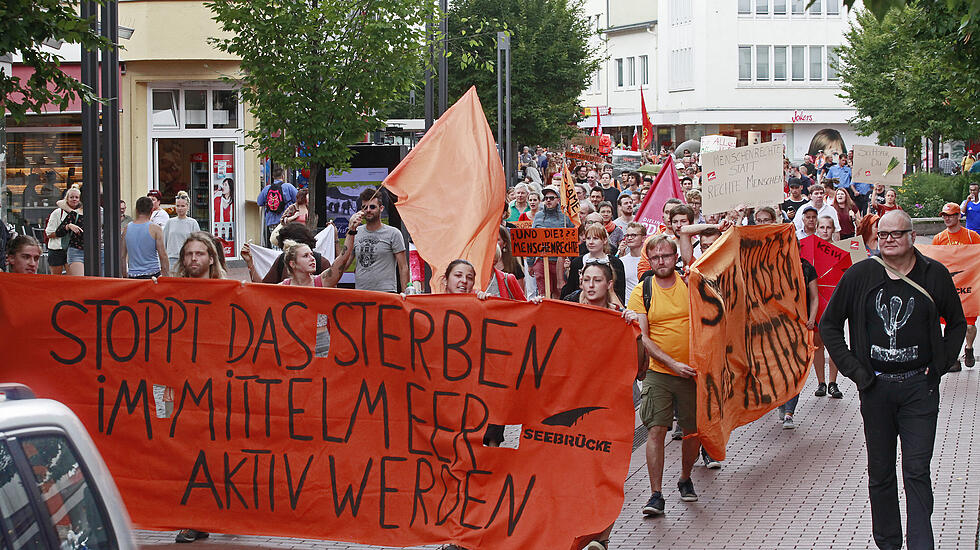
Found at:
(182, 128)
(758, 70)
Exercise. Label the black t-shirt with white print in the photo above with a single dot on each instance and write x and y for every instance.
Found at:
(898, 327)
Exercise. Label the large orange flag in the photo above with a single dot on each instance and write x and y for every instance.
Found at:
(569, 199)
(451, 190)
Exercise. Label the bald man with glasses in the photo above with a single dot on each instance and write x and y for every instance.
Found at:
(897, 353)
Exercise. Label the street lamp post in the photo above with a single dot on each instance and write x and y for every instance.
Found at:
(504, 144)
(111, 231)
(90, 150)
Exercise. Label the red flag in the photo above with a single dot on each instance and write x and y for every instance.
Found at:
(666, 186)
(598, 123)
(647, 135)
(635, 146)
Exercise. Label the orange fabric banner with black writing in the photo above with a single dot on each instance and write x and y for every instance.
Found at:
(545, 241)
(213, 410)
(749, 341)
(963, 263)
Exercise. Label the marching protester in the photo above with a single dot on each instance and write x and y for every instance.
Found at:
(664, 318)
(297, 232)
(144, 254)
(808, 217)
(609, 192)
(825, 231)
(520, 204)
(624, 205)
(867, 229)
(199, 258)
(533, 203)
(817, 195)
(507, 262)
(971, 208)
(503, 284)
(847, 213)
(612, 229)
(956, 234)
(630, 253)
(178, 229)
(550, 216)
(23, 254)
(597, 242)
(889, 203)
(896, 352)
(378, 248)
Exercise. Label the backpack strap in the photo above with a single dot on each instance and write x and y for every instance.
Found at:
(903, 277)
(647, 292)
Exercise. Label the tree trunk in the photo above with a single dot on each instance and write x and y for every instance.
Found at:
(312, 218)
(935, 152)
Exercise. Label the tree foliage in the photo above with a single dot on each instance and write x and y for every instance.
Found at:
(317, 75)
(24, 26)
(550, 55)
(900, 75)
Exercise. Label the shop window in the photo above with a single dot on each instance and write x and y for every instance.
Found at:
(195, 109)
(225, 108)
(165, 105)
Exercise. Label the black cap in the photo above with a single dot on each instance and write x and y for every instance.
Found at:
(795, 182)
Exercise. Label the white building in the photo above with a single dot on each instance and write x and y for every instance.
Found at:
(752, 69)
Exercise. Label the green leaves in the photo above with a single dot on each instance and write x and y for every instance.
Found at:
(24, 26)
(317, 75)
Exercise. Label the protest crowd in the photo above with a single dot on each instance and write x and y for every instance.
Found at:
(636, 263)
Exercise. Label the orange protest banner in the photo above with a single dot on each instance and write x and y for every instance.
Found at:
(213, 410)
(522, 224)
(749, 341)
(542, 241)
(569, 198)
(963, 263)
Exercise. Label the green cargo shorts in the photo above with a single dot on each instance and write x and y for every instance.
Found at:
(661, 392)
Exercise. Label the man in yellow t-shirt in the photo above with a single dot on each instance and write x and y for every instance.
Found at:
(670, 381)
(956, 234)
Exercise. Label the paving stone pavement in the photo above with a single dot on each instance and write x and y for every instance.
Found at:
(779, 489)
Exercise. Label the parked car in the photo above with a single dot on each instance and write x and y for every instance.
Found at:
(55, 491)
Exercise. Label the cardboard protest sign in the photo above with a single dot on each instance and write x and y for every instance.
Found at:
(625, 161)
(213, 408)
(542, 241)
(523, 224)
(854, 246)
(749, 341)
(830, 261)
(963, 263)
(878, 164)
(750, 176)
(586, 148)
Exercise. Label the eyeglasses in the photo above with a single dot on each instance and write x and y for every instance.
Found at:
(664, 258)
(628, 235)
(894, 235)
(550, 198)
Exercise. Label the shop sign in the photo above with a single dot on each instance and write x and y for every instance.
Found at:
(801, 116)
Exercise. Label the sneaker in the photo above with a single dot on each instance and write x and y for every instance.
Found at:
(834, 391)
(956, 367)
(190, 535)
(709, 462)
(968, 359)
(597, 545)
(678, 433)
(821, 390)
(788, 422)
(780, 413)
(655, 506)
(686, 488)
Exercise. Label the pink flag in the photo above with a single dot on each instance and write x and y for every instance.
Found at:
(667, 185)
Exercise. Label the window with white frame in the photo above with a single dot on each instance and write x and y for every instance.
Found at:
(814, 7)
(779, 7)
(833, 7)
(761, 7)
(681, 68)
(799, 63)
(816, 63)
(779, 63)
(631, 70)
(595, 83)
(195, 109)
(798, 6)
(166, 106)
(832, 63)
(619, 73)
(644, 70)
(745, 63)
(745, 7)
(762, 63)
(681, 12)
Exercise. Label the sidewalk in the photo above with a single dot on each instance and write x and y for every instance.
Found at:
(802, 488)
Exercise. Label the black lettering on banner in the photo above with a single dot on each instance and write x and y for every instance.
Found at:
(294, 336)
(60, 330)
(412, 419)
(294, 495)
(339, 504)
(385, 490)
(98, 326)
(293, 411)
(147, 329)
(711, 300)
(455, 346)
(201, 465)
(245, 407)
(477, 428)
(418, 491)
(382, 336)
(270, 323)
(467, 498)
(131, 404)
(486, 350)
(110, 324)
(323, 415)
(230, 483)
(513, 517)
(171, 330)
(197, 311)
(444, 472)
(531, 354)
(268, 383)
(365, 395)
(436, 427)
(255, 476)
(231, 337)
(415, 343)
(197, 399)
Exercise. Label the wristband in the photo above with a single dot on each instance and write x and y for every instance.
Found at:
(352, 232)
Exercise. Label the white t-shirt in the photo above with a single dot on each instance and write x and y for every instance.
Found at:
(630, 264)
(160, 217)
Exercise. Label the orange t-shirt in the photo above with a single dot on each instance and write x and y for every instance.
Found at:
(963, 236)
